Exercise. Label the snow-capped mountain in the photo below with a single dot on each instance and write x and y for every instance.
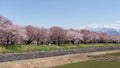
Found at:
(113, 29)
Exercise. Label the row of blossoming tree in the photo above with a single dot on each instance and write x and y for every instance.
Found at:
(11, 34)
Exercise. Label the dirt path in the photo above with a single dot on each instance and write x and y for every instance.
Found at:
(52, 61)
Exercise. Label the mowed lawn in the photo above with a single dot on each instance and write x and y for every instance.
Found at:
(29, 48)
(93, 64)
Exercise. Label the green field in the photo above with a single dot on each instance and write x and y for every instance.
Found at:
(114, 54)
(93, 64)
(29, 48)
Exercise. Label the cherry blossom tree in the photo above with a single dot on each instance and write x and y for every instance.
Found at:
(105, 38)
(89, 36)
(30, 32)
(8, 31)
(73, 36)
(11, 34)
(41, 35)
(57, 35)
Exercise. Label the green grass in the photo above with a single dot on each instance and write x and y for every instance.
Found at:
(29, 48)
(93, 64)
(114, 54)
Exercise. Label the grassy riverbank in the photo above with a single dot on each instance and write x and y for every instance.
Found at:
(93, 64)
(114, 54)
(29, 48)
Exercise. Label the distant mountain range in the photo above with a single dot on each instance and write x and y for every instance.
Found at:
(113, 29)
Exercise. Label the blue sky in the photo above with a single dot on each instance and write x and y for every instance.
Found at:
(63, 13)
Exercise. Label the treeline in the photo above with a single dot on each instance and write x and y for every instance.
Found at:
(11, 34)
